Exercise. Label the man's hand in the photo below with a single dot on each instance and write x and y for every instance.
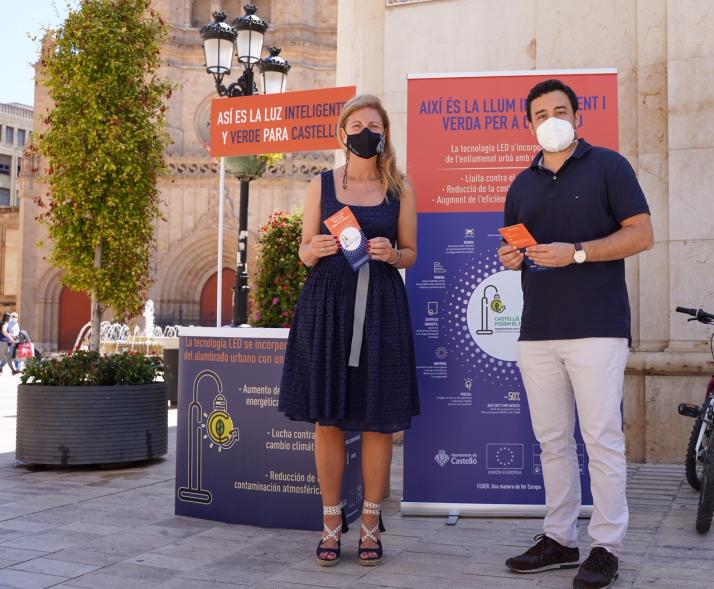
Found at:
(551, 255)
(510, 257)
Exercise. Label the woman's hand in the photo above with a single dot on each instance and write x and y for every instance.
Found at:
(380, 248)
(324, 245)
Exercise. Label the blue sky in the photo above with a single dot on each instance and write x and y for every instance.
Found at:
(18, 19)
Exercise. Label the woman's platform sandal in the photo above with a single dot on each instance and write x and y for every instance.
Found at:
(364, 553)
(322, 553)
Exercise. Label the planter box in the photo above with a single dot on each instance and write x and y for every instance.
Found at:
(171, 374)
(70, 426)
(245, 167)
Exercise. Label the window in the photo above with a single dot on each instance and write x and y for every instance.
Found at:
(4, 197)
(21, 137)
(9, 135)
(5, 164)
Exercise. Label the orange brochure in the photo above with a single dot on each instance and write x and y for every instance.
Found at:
(353, 241)
(517, 236)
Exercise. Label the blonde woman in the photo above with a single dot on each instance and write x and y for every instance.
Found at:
(349, 364)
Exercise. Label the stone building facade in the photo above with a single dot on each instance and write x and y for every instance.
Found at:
(664, 53)
(184, 266)
(15, 135)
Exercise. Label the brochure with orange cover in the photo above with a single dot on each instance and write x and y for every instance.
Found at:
(353, 241)
(519, 237)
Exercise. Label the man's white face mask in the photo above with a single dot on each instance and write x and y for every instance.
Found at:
(555, 134)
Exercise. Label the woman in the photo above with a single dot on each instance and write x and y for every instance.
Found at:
(6, 341)
(13, 328)
(349, 364)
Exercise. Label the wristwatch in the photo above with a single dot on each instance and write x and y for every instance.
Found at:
(579, 255)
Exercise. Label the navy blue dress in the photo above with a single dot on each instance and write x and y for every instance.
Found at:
(318, 386)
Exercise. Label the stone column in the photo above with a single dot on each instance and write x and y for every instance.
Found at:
(648, 273)
(360, 45)
(671, 362)
(13, 180)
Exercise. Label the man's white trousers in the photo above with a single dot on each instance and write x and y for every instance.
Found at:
(560, 375)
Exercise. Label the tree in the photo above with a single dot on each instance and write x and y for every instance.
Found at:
(104, 143)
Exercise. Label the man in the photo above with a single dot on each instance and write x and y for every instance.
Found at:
(585, 208)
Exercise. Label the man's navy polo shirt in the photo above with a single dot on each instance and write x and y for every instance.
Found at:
(592, 193)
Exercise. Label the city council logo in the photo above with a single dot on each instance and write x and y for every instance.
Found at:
(442, 458)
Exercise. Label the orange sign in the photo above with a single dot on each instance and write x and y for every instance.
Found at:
(468, 135)
(277, 123)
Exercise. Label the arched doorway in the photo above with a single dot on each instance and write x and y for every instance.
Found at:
(74, 312)
(208, 298)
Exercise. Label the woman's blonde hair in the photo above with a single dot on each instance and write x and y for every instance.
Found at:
(390, 175)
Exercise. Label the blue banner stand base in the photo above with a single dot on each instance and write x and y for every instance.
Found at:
(480, 509)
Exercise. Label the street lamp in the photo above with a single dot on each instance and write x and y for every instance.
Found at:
(274, 72)
(245, 39)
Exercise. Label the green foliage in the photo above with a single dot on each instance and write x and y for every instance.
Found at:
(281, 274)
(104, 144)
(271, 159)
(92, 369)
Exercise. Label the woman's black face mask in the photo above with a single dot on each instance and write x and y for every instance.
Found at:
(366, 143)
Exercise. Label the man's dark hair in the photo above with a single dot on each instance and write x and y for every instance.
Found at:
(546, 87)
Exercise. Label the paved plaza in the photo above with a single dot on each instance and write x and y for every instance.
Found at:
(105, 529)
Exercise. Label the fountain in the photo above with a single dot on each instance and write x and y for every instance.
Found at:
(117, 337)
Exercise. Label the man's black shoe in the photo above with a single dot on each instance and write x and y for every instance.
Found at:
(598, 570)
(545, 555)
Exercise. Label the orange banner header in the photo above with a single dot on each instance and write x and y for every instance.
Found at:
(468, 136)
(277, 123)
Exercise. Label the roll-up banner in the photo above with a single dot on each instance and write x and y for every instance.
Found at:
(472, 450)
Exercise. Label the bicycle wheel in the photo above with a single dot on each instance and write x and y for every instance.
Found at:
(694, 468)
(705, 509)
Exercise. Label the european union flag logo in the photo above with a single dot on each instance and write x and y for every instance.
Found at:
(504, 456)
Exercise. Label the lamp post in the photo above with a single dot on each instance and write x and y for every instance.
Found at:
(245, 39)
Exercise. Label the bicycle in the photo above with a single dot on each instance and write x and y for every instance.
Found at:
(699, 460)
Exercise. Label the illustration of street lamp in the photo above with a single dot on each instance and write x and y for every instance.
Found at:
(496, 305)
(194, 493)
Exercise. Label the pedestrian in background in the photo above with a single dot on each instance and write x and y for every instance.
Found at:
(6, 341)
(13, 328)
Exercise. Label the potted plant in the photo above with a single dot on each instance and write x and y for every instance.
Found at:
(104, 157)
(86, 408)
(280, 273)
(250, 167)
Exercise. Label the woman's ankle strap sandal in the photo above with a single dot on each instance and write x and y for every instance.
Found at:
(365, 554)
(374, 509)
(322, 553)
